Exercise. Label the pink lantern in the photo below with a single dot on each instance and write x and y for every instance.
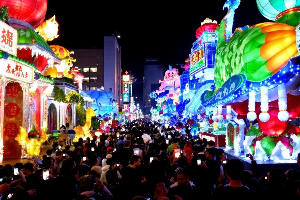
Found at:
(107, 129)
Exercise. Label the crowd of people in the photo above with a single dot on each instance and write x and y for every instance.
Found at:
(140, 161)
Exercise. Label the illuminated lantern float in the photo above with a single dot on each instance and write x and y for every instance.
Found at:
(24, 55)
(201, 67)
(256, 72)
(167, 96)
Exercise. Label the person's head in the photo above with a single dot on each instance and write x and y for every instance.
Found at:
(201, 148)
(135, 161)
(210, 153)
(293, 175)
(94, 174)
(86, 183)
(94, 160)
(127, 143)
(67, 147)
(277, 177)
(28, 168)
(182, 161)
(188, 144)
(220, 153)
(121, 137)
(210, 144)
(234, 169)
(67, 165)
(183, 176)
(49, 152)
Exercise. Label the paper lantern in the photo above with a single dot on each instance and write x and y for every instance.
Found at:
(31, 11)
(273, 127)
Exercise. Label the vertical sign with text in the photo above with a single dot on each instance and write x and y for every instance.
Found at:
(126, 86)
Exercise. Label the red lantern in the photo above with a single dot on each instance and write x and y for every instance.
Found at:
(273, 127)
(31, 11)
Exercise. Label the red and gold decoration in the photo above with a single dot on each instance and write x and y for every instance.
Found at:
(33, 144)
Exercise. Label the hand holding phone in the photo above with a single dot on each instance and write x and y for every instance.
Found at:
(199, 161)
(84, 158)
(16, 171)
(45, 174)
(151, 159)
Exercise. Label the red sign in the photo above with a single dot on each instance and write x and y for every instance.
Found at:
(11, 110)
(11, 130)
(16, 71)
(13, 89)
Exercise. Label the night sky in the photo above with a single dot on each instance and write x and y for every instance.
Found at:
(149, 29)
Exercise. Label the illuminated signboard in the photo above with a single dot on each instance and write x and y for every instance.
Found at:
(15, 70)
(126, 85)
(9, 39)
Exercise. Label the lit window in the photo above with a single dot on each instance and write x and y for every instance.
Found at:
(86, 69)
(93, 88)
(93, 79)
(93, 69)
(86, 79)
(87, 88)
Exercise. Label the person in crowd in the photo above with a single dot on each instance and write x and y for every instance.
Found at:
(183, 187)
(134, 181)
(197, 171)
(87, 186)
(188, 151)
(235, 189)
(125, 154)
(212, 165)
(121, 141)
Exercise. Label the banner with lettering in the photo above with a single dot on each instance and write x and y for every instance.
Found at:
(13, 117)
(230, 87)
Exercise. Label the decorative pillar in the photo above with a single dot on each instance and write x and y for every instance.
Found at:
(264, 106)
(228, 111)
(2, 96)
(283, 115)
(251, 115)
(220, 116)
(215, 111)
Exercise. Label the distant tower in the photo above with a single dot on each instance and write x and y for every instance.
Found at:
(153, 72)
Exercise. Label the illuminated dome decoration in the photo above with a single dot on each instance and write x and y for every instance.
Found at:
(30, 11)
(274, 9)
(207, 25)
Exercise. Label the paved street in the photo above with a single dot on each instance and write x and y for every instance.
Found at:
(19, 160)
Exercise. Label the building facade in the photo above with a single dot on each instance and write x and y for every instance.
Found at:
(153, 72)
(90, 64)
(101, 67)
(112, 67)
